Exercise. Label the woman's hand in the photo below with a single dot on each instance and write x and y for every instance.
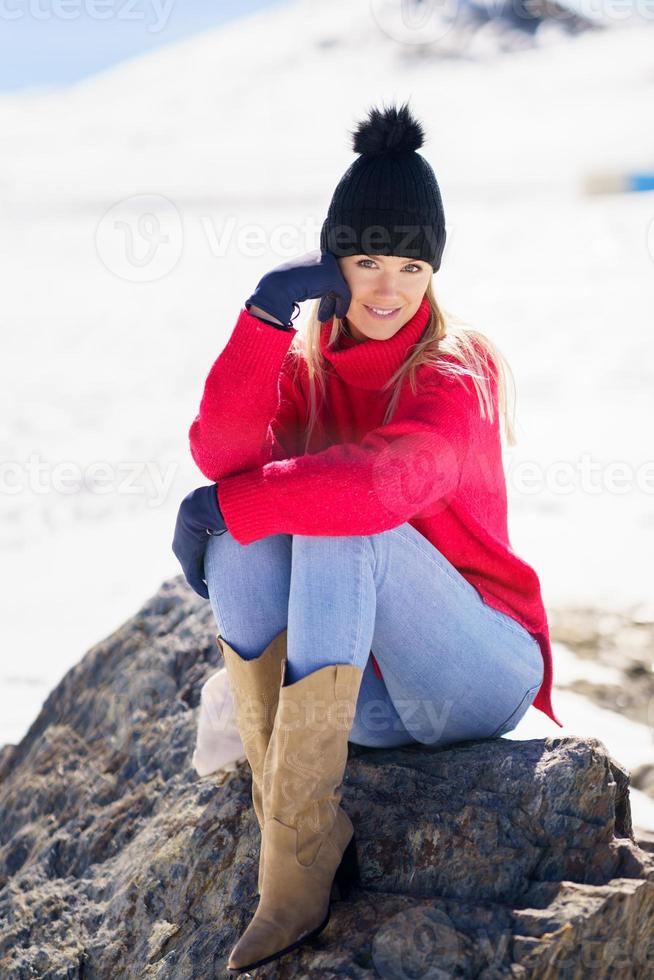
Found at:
(198, 517)
(315, 274)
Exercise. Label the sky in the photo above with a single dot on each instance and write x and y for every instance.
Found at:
(56, 42)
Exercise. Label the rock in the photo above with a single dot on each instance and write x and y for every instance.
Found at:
(487, 859)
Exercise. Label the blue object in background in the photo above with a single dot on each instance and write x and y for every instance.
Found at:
(51, 44)
(641, 182)
(614, 182)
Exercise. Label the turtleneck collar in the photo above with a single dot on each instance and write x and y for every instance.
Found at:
(370, 363)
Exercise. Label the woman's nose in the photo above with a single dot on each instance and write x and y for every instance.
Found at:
(386, 286)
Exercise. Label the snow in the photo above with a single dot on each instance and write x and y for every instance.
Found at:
(180, 155)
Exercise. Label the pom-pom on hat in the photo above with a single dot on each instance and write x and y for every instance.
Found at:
(388, 201)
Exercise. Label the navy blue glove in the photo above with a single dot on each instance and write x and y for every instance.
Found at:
(198, 517)
(312, 275)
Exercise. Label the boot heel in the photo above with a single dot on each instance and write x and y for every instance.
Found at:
(347, 874)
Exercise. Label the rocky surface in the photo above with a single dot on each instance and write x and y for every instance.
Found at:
(488, 859)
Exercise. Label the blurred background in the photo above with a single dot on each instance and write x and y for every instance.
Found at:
(157, 158)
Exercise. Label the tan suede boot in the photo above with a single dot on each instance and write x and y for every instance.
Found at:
(255, 690)
(310, 851)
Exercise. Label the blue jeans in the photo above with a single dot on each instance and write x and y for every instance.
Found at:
(454, 669)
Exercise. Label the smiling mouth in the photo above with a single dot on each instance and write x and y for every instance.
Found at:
(381, 312)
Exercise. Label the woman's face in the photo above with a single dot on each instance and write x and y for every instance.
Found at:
(384, 282)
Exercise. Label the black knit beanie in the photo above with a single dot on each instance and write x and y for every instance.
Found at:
(388, 201)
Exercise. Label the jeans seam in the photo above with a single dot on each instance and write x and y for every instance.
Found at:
(452, 578)
(215, 604)
(531, 690)
(362, 550)
(518, 630)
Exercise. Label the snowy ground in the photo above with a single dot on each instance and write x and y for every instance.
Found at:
(112, 318)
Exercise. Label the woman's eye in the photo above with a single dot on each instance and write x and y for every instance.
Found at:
(412, 264)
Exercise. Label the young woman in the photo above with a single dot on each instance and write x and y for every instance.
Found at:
(359, 505)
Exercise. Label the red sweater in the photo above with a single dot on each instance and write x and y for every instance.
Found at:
(437, 464)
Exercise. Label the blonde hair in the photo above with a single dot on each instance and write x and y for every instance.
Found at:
(445, 334)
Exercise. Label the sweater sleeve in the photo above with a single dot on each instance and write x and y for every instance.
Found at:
(286, 430)
(230, 434)
(408, 468)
